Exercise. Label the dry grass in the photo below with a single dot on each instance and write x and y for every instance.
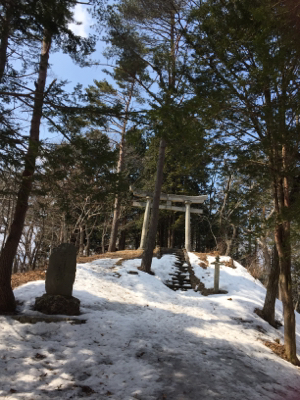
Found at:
(24, 277)
(257, 272)
(123, 254)
(229, 264)
(203, 263)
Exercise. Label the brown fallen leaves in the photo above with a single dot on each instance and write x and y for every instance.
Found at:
(277, 348)
(23, 277)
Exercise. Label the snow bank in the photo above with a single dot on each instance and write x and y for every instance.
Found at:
(145, 341)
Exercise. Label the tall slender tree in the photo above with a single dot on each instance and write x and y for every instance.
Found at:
(150, 34)
(117, 126)
(53, 17)
(253, 74)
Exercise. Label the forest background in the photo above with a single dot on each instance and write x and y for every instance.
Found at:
(188, 97)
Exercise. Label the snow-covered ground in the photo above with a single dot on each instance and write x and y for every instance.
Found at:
(145, 341)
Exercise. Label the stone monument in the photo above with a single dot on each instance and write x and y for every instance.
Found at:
(61, 271)
(60, 278)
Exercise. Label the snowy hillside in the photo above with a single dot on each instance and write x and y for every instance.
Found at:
(144, 341)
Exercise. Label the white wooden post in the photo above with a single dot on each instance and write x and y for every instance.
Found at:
(217, 275)
(188, 225)
(145, 223)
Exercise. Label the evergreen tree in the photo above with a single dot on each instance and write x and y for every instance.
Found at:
(149, 34)
(117, 126)
(53, 18)
(251, 65)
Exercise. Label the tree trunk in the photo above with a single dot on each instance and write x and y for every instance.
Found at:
(15, 266)
(268, 311)
(76, 239)
(88, 241)
(283, 245)
(117, 204)
(103, 236)
(229, 242)
(4, 40)
(285, 282)
(115, 224)
(7, 299)
(122, 240)
(34, 258)
(81, 240)
(87, 247)
(150, 242)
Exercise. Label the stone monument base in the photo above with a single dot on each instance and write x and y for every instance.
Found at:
(52, 304)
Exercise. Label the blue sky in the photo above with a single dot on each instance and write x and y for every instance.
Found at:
(63, 68)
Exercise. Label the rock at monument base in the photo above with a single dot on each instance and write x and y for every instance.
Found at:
(57, 304)
(61, 271)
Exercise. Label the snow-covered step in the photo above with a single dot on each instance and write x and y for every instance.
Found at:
(180, 278)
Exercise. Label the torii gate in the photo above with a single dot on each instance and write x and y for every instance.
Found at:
(169, 198)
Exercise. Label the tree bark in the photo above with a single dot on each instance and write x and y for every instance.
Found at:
(5, 31)
(229, 242)
(268, 311)
(122, 240)
(283, 245)
(88, 241)
(7, 299)
(105, 225)
(117, 203)
(150, 242)
(81, 240)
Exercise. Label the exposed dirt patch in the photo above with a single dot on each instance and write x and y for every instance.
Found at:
(24, 277)
(213, 253)
(229, 264)
(210, 291)
(203, 263)
(124, 254)
(277, 348)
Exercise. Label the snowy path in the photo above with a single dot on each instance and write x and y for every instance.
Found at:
(144, 341)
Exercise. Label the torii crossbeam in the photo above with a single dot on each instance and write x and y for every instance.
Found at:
(169, 198)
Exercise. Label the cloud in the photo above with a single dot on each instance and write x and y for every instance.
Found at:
(81, 15)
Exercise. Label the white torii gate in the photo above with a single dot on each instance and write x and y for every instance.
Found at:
(169, 198)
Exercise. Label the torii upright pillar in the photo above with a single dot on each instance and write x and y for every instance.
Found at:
(187, 225)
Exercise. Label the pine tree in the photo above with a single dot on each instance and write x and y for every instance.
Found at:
(53, 18)
(252, 67)
(123, 96)
(149, 35)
